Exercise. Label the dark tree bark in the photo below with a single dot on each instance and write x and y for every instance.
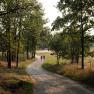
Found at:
(82, 43)
(27, 47)
(2, 55)
(9, 59)
(77, 59)
(9, 44)
(27, 53)
(82, 36)
(34, 43)
(17, 61)
(58, 58)
(18, 50)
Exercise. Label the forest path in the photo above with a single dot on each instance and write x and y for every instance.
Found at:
(49, 83)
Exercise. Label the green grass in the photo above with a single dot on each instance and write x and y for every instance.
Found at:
(51, 59)
(48, 57)
(72, 71)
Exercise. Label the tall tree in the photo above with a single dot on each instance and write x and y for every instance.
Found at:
(18, 17)
(78, 14)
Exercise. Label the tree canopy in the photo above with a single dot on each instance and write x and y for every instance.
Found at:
(77, 18)
(21, 22)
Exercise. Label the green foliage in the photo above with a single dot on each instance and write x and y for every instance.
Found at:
(45, 37)
(21, 23)
(76, 19)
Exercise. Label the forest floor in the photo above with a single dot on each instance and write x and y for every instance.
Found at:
(50, 83)
(15, 80)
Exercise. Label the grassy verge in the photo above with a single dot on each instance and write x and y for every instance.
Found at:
(72, 71)
(15, 81)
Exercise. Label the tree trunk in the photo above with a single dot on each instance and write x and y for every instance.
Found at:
(57, 59)
(9, 51)
(19, 36)
(18, 50)
(9, 59)
(35, 51)
(2, 55)
(72, 59)
(72, 56)
(82, 38)
(33, 54)
(77, 58)
(17, 58)
(27, 53)
(34, 43)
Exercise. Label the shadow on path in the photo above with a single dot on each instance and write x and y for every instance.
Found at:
(50, 83)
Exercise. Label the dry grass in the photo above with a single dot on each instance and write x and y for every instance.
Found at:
(15, 81)
(72, 71)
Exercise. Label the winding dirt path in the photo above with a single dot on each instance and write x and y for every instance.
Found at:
(50, 83)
